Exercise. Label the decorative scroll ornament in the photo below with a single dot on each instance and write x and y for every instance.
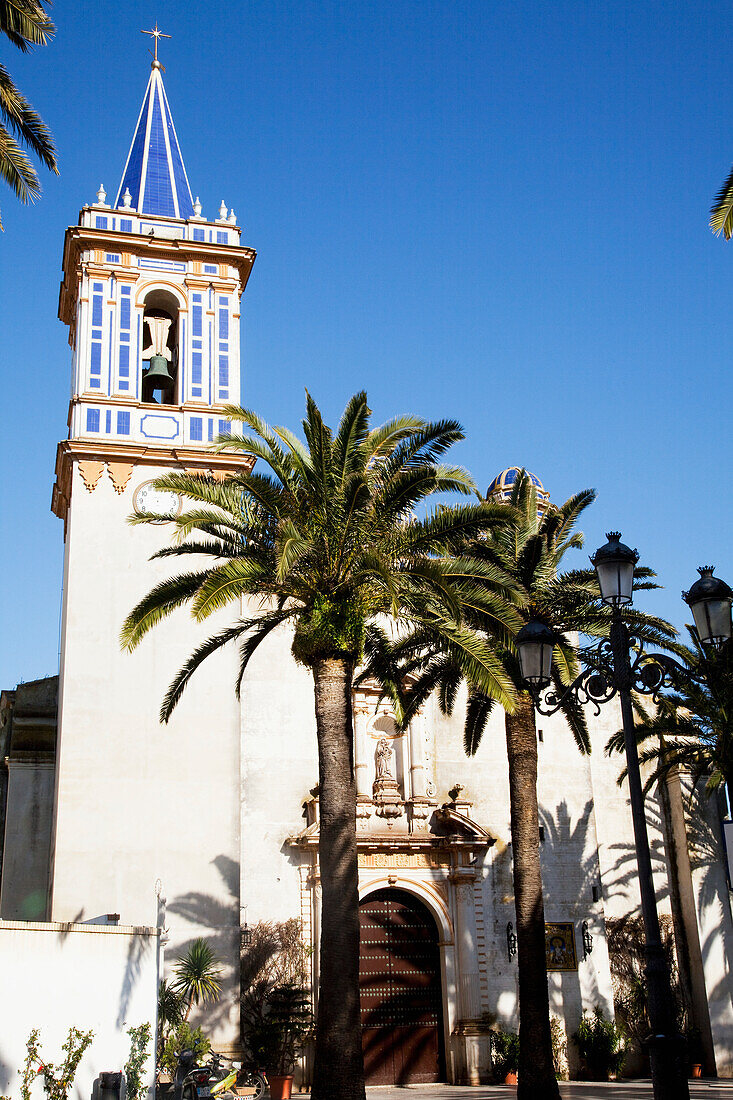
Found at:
(91, 472)
(119, 473)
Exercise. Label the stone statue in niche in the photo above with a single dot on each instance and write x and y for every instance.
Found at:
(383, 757)
(385, 790)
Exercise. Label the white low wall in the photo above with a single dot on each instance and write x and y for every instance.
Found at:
(57, 976)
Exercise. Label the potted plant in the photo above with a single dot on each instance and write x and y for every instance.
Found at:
(601, 1045)
(279, 1035)
(505, 1056)
(694, 1050)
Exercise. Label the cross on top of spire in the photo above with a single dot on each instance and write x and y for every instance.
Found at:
(155, 35)
(154, 173)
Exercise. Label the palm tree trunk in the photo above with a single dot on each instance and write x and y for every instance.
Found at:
(536, 1069)
(339, 1065)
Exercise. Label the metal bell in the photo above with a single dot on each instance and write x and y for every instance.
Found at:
(158, 376)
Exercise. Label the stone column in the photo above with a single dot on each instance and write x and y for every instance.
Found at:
(361, 755)
(476, 1056)
(418, 787)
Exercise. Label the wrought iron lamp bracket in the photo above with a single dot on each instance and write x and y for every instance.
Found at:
(651, 672)
(598, 682)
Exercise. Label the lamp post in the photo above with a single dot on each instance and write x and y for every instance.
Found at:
(612, 672)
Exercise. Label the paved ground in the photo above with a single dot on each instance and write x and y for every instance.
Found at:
(571, 1090)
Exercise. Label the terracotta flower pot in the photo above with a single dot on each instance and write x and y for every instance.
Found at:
(511, 1078)
(281, 1088)
(697, 1070)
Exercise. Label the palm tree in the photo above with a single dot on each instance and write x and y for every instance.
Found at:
(528, 547)
(327, 541)
(691, 729)
(197, 976)
(170, 1011)
(26, 24)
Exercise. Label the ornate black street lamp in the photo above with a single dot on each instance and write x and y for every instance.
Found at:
(611, 672)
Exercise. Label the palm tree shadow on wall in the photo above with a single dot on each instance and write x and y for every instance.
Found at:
(217, 921)
(565, 846)
(573, 857)
(707, 853)
(623, 869)
(137, 948)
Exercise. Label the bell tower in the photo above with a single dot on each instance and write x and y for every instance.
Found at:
(151, 295)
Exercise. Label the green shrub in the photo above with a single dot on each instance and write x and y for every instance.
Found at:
(277, 1039)
(504, 1053)
(601, 1045)
(183, 1037)
(57, 1080)
(559, 1048)
(136, 1088)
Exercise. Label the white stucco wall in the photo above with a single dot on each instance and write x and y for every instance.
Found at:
(57, 976)
(137, 801)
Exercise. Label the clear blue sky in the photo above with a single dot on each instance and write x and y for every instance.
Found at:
(496, 212)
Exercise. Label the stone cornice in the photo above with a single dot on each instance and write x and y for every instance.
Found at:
(94, 397)
(80, 238)
(136, 454)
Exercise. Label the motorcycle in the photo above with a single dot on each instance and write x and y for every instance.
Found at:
(213, 1081)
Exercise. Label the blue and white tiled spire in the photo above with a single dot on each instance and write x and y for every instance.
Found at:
(154, 173)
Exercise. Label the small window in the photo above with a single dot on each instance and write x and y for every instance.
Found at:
(92, 420)
(199, 235)
(542, 834)
(197, 429)
(126, 225)
(100, 223)
(111, 257)
(123, 423)
(222, 237)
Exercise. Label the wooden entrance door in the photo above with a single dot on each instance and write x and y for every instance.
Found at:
(401, 1005)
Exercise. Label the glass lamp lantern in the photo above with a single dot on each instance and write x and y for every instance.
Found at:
(614, 565)
(710, 599)
(535, 643)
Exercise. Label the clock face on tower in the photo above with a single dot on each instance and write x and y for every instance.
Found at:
(151, 501)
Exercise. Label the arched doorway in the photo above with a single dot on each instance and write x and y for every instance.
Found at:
(401, 1003)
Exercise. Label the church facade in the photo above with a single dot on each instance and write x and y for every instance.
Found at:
(218, 810)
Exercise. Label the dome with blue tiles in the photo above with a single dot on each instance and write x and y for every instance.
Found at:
(502, 485)
(154, 180)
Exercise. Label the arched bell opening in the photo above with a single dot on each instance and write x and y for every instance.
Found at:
(159, 383)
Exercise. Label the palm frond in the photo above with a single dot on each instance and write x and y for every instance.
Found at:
(181, 679)
(239, 577)
(158, 604)
(26, 24)
(478, 709)
(721, 212)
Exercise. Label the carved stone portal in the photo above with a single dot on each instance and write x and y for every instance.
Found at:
(386, 791)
